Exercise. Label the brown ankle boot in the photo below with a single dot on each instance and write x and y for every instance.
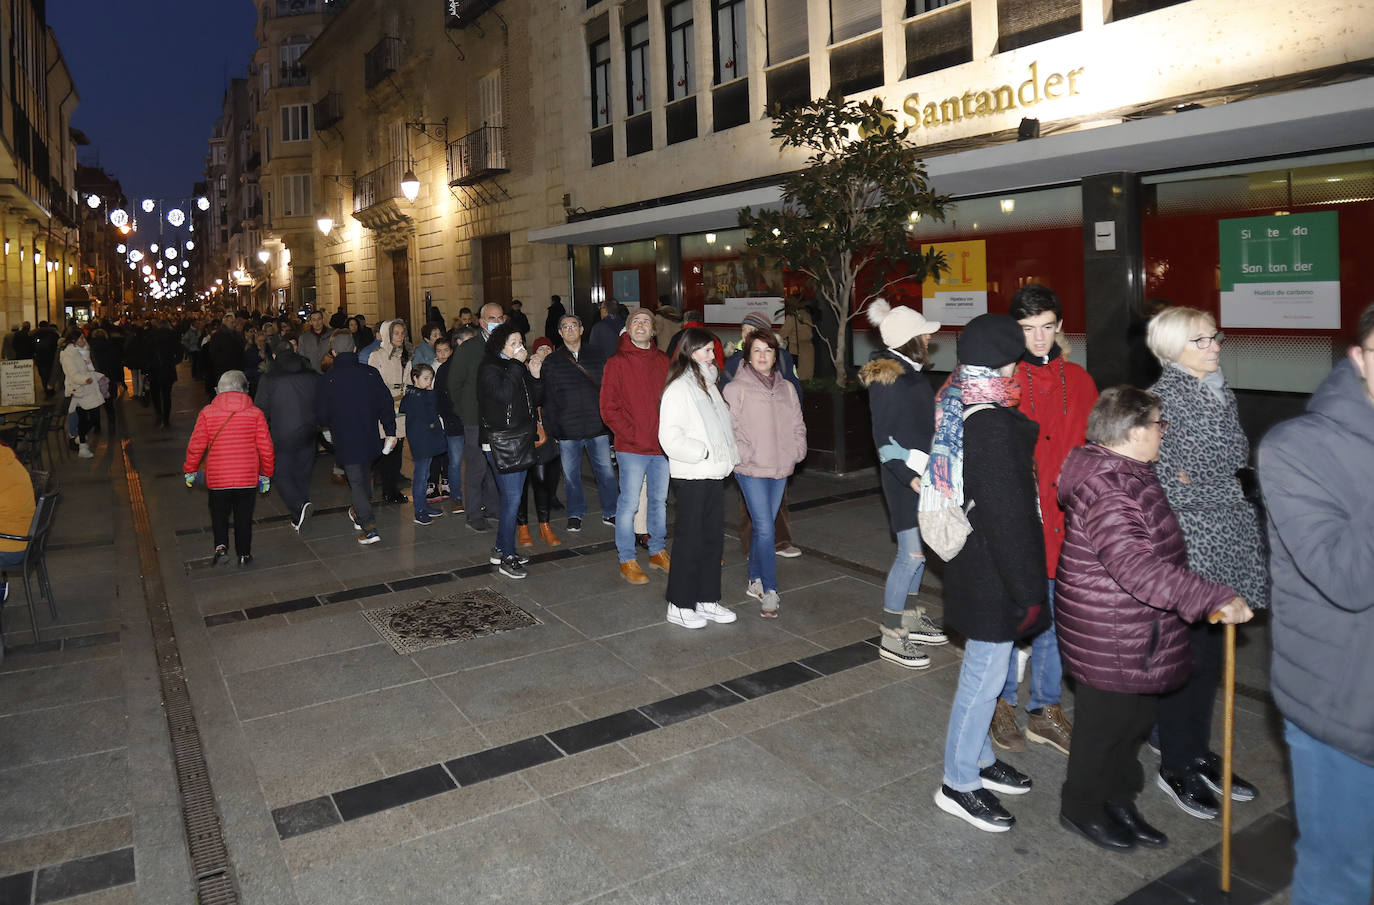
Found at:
(547, 534)
(522, 536)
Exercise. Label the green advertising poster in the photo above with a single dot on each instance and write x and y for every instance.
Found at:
(1282, 271)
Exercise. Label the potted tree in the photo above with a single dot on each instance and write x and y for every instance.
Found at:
(844, 224)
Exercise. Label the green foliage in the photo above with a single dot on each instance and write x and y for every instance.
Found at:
(849, 211)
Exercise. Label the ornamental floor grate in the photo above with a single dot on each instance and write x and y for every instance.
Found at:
(460, 616)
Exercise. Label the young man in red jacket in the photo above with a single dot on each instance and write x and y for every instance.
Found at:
(1058, 396)
(630, 389)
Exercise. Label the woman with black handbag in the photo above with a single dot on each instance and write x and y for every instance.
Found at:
(542, 482)
(508, 398)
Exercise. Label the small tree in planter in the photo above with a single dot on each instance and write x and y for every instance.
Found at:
(847, 214)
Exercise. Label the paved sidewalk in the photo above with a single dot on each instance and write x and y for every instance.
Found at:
(597, 755)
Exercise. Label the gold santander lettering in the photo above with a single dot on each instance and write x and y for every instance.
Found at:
(1033, 85)
(1052, 83)
(912, 108)
(1001, 99)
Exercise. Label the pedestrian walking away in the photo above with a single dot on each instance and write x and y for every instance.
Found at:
(232, 448)
(287, 396)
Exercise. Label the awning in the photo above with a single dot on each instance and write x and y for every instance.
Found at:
(1296, 122)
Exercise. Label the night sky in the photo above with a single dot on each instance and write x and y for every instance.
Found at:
(151, 75)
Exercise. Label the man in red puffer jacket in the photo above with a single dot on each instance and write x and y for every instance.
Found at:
(630, 389)
(233, 446)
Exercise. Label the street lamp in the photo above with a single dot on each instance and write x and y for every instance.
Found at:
(410, 185)
(326, 225)
(264, 256)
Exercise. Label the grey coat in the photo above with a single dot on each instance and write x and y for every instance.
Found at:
(1220, 526)
(1315, 472)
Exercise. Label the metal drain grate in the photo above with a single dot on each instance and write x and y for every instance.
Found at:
(199, 812)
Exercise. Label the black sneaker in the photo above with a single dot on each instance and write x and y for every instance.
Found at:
(220, 553)
(574, 525)
(1209, 768)
(608, 520)
(479, 524)
(979, 808)
(1003, 777)
(511, 567)
(497, 557)
(1188, 790)
(245, 559)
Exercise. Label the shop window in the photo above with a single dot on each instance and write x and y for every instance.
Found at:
(681, 50)
(730, 105)
(787, 33)
(682, 120)
(851, 18)
(628, 272)
(717, 266)
(600, 52)
(857, 66)
(789, 86)
(731, 44)
(639, 134)
(637, 67)
(939, 41)
(1024, 22)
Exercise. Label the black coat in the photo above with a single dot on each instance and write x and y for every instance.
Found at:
(453, 421)
(996, 588)
(903, 407)
(551, 321)
(572, 398)
(162, 350)
(225, 348)
(522, 324)
(286, 395)
(352, 401)
(600, 344)
(508, 396)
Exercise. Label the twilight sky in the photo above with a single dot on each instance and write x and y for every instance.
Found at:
(151, 75)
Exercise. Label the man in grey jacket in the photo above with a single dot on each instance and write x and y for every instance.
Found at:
(313, 341)
(1317, 474)
(479, 485)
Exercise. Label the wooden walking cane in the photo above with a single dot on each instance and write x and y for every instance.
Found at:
(1227, 747)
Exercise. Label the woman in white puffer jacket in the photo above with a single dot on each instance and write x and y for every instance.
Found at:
(695, 432)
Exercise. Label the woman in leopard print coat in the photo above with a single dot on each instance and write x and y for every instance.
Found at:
(1202, 452)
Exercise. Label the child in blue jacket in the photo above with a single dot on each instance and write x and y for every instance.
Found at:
(425, 434)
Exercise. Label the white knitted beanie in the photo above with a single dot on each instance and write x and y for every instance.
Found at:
(897, 326)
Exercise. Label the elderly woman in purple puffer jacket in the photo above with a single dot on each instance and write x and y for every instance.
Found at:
(1123, 599)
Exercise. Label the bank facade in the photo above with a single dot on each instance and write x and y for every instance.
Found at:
(1118, 151)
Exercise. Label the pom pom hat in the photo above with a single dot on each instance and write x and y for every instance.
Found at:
(898, 326)
(991, 341)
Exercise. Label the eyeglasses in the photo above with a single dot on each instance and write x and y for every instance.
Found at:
(1163, 424)
(1205, 342)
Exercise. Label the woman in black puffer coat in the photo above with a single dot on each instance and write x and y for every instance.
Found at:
(508, 399)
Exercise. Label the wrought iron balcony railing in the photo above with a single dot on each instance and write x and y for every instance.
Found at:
(477, 155)
(382, 184)
(381, 61)
(292, 74)
(328, 110)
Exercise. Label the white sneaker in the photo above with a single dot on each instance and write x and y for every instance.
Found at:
(715, 612)
(685, 618)
(755, 589)
(1022, 661)
(84, 452)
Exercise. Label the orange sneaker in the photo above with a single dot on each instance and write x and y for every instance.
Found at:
(659, 561)
(522, 536)
(546, 532)
(632, 573)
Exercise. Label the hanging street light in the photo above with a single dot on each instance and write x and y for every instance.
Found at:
(410, 185)
(326, 225)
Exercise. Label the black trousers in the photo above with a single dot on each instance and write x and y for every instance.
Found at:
(389, 470)
(292, 475)
(698, 542)
(161, 391)
(1185, 714)
(239, 500)
(1104, 764)
(542, 484)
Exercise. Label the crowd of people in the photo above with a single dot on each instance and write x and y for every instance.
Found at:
(1105, 536)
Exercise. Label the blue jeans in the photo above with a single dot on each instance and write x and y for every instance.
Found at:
(967, 746)
(634, 468)
(1333, 797)
(418, 479)
(1046, 669)
(763, 496)
(599, 451)
(511, 490)
(906, 572)
(455, 468)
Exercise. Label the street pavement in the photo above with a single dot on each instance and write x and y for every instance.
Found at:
(598, 755)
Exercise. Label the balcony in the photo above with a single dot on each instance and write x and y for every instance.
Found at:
(377, 198)
(291, 74)
(381, 61)
(477, 156)
(328, 110)
(462, 13)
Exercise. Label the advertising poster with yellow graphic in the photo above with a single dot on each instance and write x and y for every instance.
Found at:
(960, 293)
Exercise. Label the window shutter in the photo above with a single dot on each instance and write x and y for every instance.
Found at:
(786, 30)
(489, 98)
(853, 17)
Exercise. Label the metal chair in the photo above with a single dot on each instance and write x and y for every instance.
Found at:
(27, 435)
(35, 561)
